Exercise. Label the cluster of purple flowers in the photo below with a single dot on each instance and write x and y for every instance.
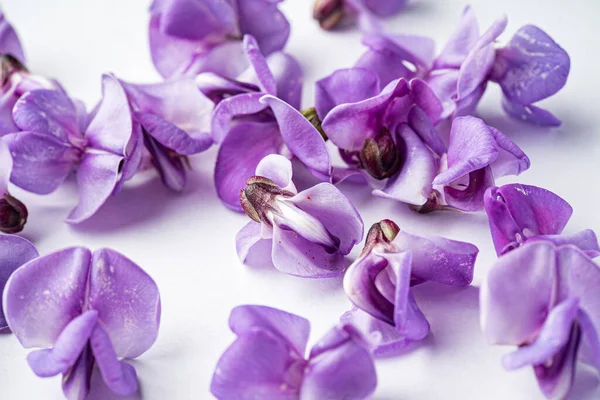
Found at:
(403, 122)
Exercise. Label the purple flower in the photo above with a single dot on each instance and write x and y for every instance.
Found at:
(305, 234)
(13, 213)
(379, 282)
(519, 213)
(267, 360)
(188, 37)
(477, 154)
(332, 13)
(55, 140)
(545, 299)
(530, 68)
(175, 120)
(258, 116)
(15, 80)
(14, 252)
(83, 309)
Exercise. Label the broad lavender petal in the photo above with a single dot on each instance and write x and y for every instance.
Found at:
(66, 350)
(290, 327)
(295, 255)
(388, 54)
(420, 122)
(460, 43)
(345, 370)
(525, 210)
(44, 295)
(385, 8)
(437, 259)
(246, 238)
(348, 125)
(288, 78)
(257, 365)
(468, 195)
(170, 165)
(585, 240)
(413, 182)
(127, 301)
(328, 205)
(344, 86)
(41, 161)
(530, 113)
(531, 67)
(426, 99)
(97, 177)
(9, 41)
(263, 20)
(76, 380)
(119, 376)
(301, 137)
(511, 159)
(553, 336)
(514, 310)
(14, 252)
(259, 72)
(243, 104)
(246, 144)
(589, 351)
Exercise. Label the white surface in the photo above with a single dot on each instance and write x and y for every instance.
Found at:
(186, 242)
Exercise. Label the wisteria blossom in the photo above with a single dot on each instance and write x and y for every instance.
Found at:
(519, 213)
(531, 67)
(256, 116)
(333, 13)
(175, 119)
(379, 282)
(14, 252)
(389, 137)
(83, 309)
(307, 234)
(544, 299)
(15, 80)
(188, 37)
(267, 360)
(55, 140)
(13, 213)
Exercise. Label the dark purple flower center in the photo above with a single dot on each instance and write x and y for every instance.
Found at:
(383, 232)
(9, 65)
(380, 156)
(329, 13)
(258, 198)
(13, 214)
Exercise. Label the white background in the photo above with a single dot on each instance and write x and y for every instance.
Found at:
(186, 241)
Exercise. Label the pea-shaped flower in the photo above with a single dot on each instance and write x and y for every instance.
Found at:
(83, 309)
(267, 360)
(310, 232)
(545, 299)
(519, 213)
(379, 282)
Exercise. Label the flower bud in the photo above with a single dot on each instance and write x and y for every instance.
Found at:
(13, 214)
(380, 156)
(329, 13)
(258, 198)
(383, 232)
(311, 115)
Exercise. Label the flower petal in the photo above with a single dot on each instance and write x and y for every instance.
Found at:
(460, 43)
(426, 99)
(289, 327)
(263, 20)
(258, 71)
(420, 122)
(9, 41)
(44, 295)
(76, 381)
(288, 78)
(47, 112)
(41, 162)
(339, 216)
(348, 125)
(257, 365)
(294, 255)
(119, 376)
(301, 137)
(531, 67)
(513, 310)
(97, 177)
(530, 113)
(344, 86)
(170, 166)
(14, 252)
(346, 371)
(585, 240)
(413, 183)
(127, 301)
(66, 350)
(226, 110)
(278, 169)
(468, 197)
(385, 8)
(437, 259)
(246, 144)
